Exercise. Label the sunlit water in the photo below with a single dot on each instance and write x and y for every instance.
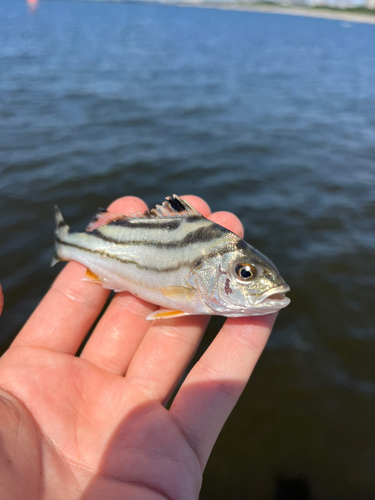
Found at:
(272, 117)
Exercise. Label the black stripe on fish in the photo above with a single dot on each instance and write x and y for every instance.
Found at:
(170, 224)
(241, 244)
(207, 233)
(197, 262)
(193, 218)
(203, 234)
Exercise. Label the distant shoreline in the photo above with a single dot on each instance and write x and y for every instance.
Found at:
(333, 14)
(322, 13)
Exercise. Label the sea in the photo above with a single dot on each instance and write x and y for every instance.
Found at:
(269, 116)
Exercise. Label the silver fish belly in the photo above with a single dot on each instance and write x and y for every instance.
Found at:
(174, 257)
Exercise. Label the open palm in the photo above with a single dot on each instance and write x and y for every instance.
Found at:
(96, 426)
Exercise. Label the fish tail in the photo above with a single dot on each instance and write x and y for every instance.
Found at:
(61, 232)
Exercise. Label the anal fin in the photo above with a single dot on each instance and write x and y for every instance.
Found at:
(166, 314)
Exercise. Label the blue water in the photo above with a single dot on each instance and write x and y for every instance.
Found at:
(272, 117)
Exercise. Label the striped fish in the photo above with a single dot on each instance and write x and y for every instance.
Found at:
(174, 257)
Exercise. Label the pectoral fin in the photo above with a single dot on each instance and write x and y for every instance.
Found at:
(178, 292)
(166, 314)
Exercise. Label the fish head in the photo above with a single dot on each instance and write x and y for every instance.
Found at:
(241, 282)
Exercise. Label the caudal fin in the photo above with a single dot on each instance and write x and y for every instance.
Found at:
(61, 232)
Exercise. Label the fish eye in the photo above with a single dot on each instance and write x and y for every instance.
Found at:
(245, 272)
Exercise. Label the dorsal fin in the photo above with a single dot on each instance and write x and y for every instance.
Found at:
(174, 206)
(104, 217)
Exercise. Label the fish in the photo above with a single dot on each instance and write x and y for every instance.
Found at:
(176, 258)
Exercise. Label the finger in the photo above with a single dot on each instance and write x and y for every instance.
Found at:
(65, 314)
(122, 328)
(68, 310)
(167, 348)
(215, 383)
(164, 353)
(118, 333)
(228, 220)
(202, 207)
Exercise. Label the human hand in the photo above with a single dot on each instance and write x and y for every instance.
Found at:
(96, 426)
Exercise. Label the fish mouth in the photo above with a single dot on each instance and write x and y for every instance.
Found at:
(275, 296)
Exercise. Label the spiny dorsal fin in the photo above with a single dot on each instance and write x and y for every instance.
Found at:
(174, 206)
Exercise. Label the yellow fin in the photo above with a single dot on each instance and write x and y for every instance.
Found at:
(93, 278)
(166, 314)
(178, 292)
